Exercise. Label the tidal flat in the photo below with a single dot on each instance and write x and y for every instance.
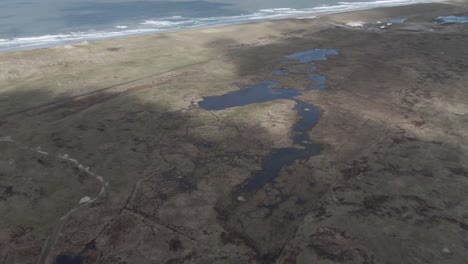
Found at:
(287, 141)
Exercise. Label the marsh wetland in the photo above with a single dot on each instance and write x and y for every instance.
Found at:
(291, 141)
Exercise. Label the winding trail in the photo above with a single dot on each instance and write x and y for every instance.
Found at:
(52, 239)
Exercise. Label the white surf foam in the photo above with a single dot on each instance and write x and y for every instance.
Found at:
(161, 23)
(174, 23)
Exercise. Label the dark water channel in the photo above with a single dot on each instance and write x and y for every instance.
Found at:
(267, 91)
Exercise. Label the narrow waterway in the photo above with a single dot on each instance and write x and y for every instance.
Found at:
(266, 91)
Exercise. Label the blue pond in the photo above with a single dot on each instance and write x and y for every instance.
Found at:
(280, 158)
(452, 19)
(310, 115)
(267, 91)
(258, 93)
(273, 164)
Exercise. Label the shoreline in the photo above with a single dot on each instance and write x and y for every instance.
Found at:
(113, 35)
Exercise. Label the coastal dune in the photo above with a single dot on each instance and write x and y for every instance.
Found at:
(336, 139)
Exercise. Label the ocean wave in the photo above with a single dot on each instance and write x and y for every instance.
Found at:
(161, 23)
(174, 23)
(276, 10)
(75, 37)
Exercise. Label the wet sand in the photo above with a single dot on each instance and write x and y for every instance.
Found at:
(231, 145)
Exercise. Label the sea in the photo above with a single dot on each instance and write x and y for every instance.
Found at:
(28, 24)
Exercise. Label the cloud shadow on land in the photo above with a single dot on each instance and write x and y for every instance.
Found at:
(150, 155)
(114, 134)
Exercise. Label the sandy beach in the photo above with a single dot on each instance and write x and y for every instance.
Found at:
(336, 139)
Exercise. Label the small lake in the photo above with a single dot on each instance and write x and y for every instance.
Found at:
(270, 90)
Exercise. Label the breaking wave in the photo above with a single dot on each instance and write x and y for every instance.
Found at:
(175, 23)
